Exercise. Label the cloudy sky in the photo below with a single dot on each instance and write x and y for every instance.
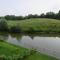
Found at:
(25, 7)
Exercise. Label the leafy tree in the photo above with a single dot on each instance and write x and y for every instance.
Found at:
(10, 17)
(42, 15)
(58, 15)
(50, 15)
(19, 18)
(3, 25)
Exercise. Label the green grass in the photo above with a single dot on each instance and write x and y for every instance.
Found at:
(12, 52)
(38, 24)
(9, 51)
(38, 56)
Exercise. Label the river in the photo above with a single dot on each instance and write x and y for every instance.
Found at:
(45, 43)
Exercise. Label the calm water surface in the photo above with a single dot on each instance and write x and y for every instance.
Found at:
(47, 44)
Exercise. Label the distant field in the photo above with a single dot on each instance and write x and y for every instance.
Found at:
(38, 24)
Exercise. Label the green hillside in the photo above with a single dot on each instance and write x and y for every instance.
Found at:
(42, 25)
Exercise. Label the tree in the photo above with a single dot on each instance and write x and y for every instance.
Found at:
(13, 17)
(50, 15)
(42, 15)
(19, 18)
(3, 25)
(58, 15)
(30, 16)
(10, 17)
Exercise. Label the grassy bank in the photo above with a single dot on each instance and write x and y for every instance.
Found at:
(38, 56)
(11, 52)
(37, 25)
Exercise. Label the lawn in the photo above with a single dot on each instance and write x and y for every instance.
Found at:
(12, 52)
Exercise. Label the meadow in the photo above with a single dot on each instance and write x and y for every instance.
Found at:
(37, 25)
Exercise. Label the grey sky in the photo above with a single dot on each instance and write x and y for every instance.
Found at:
(24, 7)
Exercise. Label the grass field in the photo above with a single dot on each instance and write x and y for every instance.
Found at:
(38, 24)
(11, 52)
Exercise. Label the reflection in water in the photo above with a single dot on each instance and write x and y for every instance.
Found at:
(17, 36)
(45, 44)
(4, 36)
(12, 40)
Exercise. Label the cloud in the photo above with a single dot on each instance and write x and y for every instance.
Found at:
(24, 7)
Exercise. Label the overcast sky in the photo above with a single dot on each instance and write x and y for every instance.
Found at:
(25, 7)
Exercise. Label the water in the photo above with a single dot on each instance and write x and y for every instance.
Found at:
(47, 44)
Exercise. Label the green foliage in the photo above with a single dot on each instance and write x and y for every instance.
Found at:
(37, 25)
(31, 30)
(3, 25)
(15, 29)
(13, 17)
(31, 25)
(50, 15)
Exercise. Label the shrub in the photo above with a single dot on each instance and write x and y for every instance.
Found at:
(3, 25)
(31, 30)
(15, 29)
(33, 51)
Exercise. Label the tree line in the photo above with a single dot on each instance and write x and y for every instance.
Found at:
(51, 15)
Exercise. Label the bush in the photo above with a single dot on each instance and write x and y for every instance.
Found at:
(15, 29)
(3, 25)
(31, 30)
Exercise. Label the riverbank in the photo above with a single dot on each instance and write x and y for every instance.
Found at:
(41, 25)
(11, 52)
(37, 25)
